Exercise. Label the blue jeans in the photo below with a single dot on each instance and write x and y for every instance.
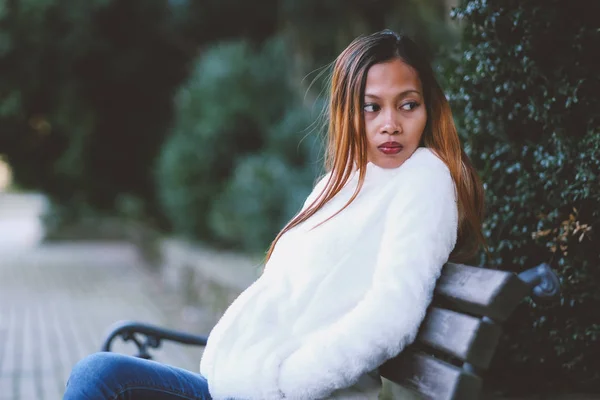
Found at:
(111, 376)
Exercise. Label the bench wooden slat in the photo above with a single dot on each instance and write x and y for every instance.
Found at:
(481, 291)
(432, 378)
(463, 336)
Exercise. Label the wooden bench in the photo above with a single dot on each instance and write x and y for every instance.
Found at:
(456, 341)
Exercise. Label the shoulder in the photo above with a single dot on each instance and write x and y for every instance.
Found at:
(322, 181)
(424, 167)
(425, 158)
(318, 188)
(422, 182)
(423, 186)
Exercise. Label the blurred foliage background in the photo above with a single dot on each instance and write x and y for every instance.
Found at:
(203, 120)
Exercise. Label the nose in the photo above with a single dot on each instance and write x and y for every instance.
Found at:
(391, 123)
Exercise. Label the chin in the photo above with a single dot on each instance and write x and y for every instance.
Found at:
(390, 163)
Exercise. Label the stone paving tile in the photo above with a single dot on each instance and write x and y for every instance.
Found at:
(57, 302)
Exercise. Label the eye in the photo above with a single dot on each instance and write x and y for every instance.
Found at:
(411, 105)
(371, 107)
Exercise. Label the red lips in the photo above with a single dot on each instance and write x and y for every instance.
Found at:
(390, 144)
(390, 148)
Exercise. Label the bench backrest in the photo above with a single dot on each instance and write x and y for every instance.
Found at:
(459, 335)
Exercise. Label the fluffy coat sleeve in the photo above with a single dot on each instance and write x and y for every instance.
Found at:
(419, 233)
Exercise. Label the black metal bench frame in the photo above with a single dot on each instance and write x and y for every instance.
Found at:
(456, 341)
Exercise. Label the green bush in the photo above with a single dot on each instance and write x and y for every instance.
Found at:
(258, 200)
(87, 90)
(526, 91)
(235, 105)
(268, 188)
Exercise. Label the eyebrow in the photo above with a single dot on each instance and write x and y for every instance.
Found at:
(402, 94)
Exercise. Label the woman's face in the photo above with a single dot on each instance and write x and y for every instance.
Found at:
(395, 113)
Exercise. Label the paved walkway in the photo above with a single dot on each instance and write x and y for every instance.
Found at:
(58, 300)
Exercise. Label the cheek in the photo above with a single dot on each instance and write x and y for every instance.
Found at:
(370, 128)
(419, 124)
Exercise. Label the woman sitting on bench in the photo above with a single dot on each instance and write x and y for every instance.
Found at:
(348, 280)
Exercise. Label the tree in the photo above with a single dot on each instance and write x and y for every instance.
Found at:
(88, 90)
(525, 86)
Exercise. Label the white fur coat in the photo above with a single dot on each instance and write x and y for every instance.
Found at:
(335, 302)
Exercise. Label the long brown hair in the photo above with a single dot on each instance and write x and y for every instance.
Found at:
(347, 145)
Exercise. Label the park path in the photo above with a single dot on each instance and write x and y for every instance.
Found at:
(58, 300)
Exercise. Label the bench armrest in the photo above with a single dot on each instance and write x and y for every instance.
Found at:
(153, 336)
(542, 281)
